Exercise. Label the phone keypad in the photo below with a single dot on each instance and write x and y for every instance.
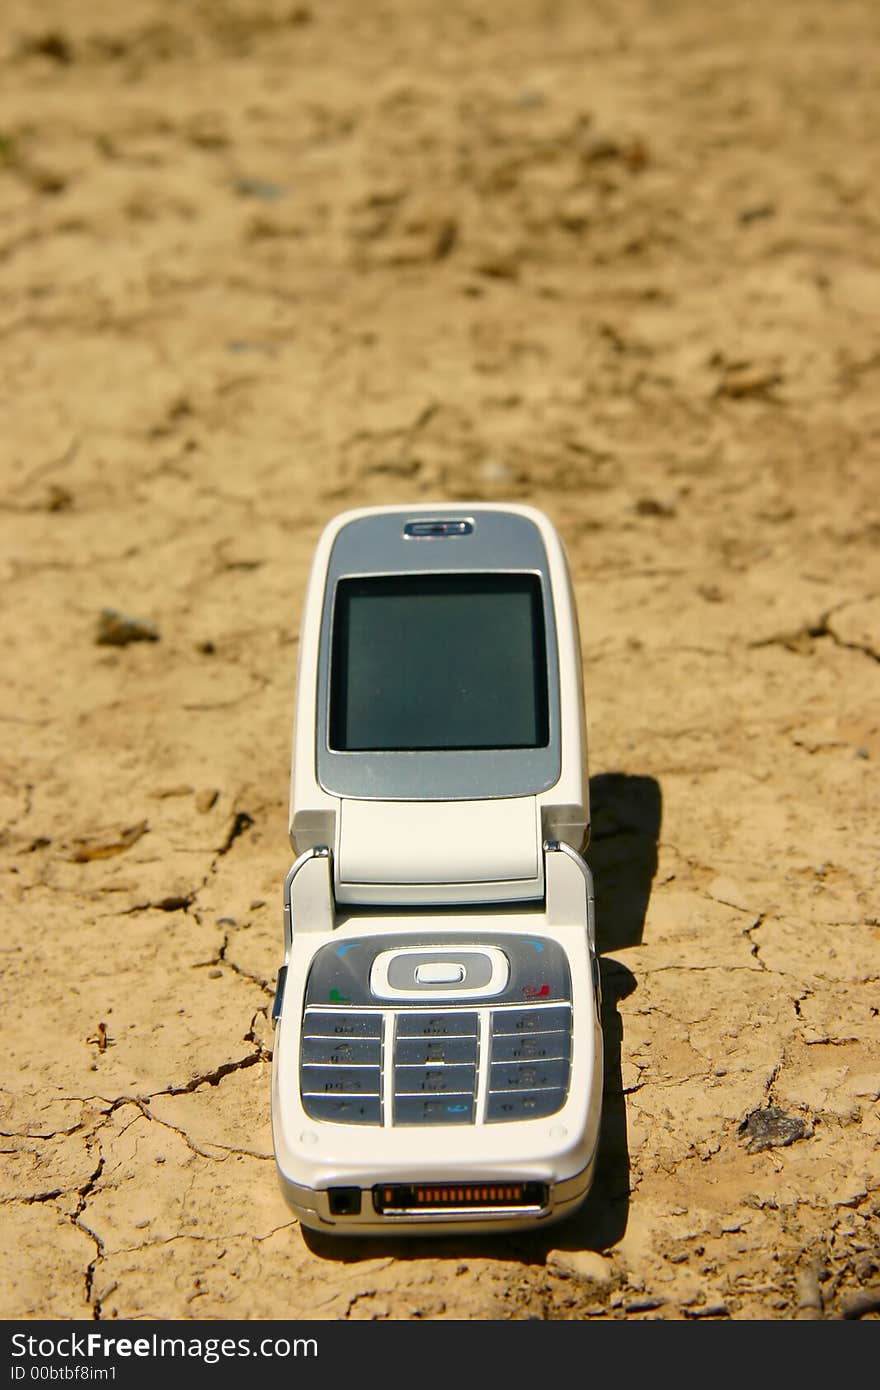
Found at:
(504, 1058)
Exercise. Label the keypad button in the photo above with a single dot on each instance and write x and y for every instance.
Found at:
(433, 1080)
(439, 973)
(429, 1024)
(344, 1024)
(344, 1110)
(534, 1020)
(526, 1047)
(524, 1105)
(451, 968)
(340, 974)
(342, 1051)
(538, 970)
(527, 1076)
(427, 1051)
(450, 1110)
(354, 1081)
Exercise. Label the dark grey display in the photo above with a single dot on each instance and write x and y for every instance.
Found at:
(426, 662)
(445, 675)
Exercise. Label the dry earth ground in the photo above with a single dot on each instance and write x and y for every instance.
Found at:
(262, 260)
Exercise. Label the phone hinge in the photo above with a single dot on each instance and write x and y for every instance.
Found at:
(569, 888)
(308, 894)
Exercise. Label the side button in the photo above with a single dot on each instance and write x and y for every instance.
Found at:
(279, 994)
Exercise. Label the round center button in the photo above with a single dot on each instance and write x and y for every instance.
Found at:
(432, 973)
(439, 972)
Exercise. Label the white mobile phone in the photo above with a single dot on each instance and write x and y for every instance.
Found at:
(438, 1050)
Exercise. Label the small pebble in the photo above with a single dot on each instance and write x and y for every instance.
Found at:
(652, 506)
(115, 629)
(772, 1128)
(59, 499)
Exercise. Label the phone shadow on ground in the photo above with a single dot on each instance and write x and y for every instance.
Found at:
(626, 814)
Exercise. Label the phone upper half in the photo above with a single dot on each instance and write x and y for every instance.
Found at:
(439, 663)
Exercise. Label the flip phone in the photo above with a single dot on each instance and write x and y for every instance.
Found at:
(437, 1062)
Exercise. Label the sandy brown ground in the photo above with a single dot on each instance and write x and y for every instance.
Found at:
(263, 260)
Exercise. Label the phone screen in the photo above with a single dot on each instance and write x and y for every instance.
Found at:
(426, 662)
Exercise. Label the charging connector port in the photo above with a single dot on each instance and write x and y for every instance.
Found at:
(399, 1199)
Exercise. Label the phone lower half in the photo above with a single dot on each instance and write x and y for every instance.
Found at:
(395, 1111)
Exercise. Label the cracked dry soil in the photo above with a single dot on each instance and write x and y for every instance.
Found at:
(262, 261)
